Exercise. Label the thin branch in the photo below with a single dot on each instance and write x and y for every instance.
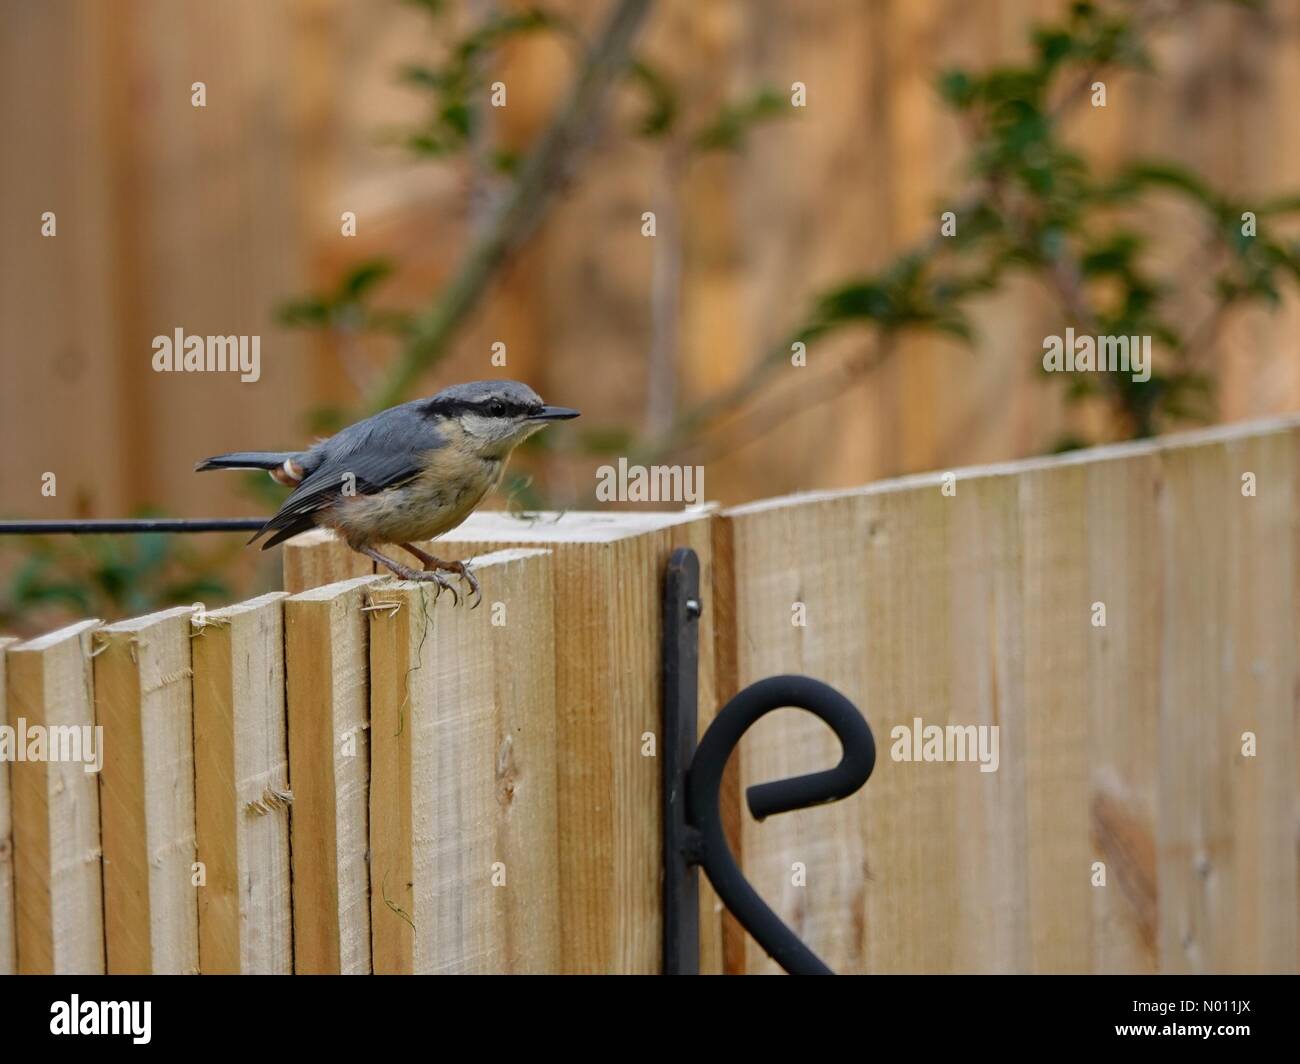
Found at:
(665, 297)
(820, 389)
(518, 214)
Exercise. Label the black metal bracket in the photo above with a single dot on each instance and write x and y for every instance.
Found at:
(692, 783)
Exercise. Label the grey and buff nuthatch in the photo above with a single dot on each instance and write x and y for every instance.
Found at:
(409, 473)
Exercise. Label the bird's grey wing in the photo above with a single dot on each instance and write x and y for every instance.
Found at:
(380, 452)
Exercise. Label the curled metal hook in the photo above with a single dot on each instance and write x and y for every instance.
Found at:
(704, 782)
(694, 833)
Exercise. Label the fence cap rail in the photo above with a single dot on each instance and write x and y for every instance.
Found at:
(49, 639)
(568, 526)
(1242, 430)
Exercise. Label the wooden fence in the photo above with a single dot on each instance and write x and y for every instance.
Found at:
(356, 776)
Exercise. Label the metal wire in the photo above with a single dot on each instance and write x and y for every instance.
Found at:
(147, 524)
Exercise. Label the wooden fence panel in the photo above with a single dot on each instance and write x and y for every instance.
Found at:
(8, 944)
(58, 873)
(327, 674)
(242, 793)
(464, 862)
(1127, 619)
(143, 701)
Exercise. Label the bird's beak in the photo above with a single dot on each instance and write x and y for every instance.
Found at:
(554, 413)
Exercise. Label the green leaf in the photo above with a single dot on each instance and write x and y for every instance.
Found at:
(1280, 205)
(862, 299)
(433, 7)
(1053, 45)
(728, 130)
(422, 77)
(661, 115)
(1170, 176)
(1112, 255)
(310, 312)
(506, 161)
(360, 279)
(458, 117)
(957, 88)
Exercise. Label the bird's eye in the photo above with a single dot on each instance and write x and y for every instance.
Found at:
(496, 408)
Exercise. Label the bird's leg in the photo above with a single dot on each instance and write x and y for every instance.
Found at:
(405, 572)
(430, 562)
(459, 568)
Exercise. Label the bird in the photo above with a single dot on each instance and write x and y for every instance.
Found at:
(412, 472)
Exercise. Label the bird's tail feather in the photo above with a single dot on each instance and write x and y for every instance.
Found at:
(247, 460)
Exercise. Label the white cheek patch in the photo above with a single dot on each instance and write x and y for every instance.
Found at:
(481, 427)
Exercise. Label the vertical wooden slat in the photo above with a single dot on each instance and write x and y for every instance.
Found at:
(1193, 810)
(987, 647)
(1123, 708)
(143, 700)
(326, 637)
(8, 944)
(58, 875)
(1261, 932)
(1057, 631)
(464, 863)
(909, 810)
(732, 935)
(242, 790)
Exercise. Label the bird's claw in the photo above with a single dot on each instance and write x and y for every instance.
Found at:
(467, 574)
(443, 582)
(437, 577)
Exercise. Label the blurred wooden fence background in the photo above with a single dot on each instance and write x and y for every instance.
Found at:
(208, 218)
(376, 780)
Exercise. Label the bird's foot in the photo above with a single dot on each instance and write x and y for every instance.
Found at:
(438, 577)
(461, 569)
(434, 575)
(466, 574)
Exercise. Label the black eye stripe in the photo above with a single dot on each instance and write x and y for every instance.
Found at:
(484, 407)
